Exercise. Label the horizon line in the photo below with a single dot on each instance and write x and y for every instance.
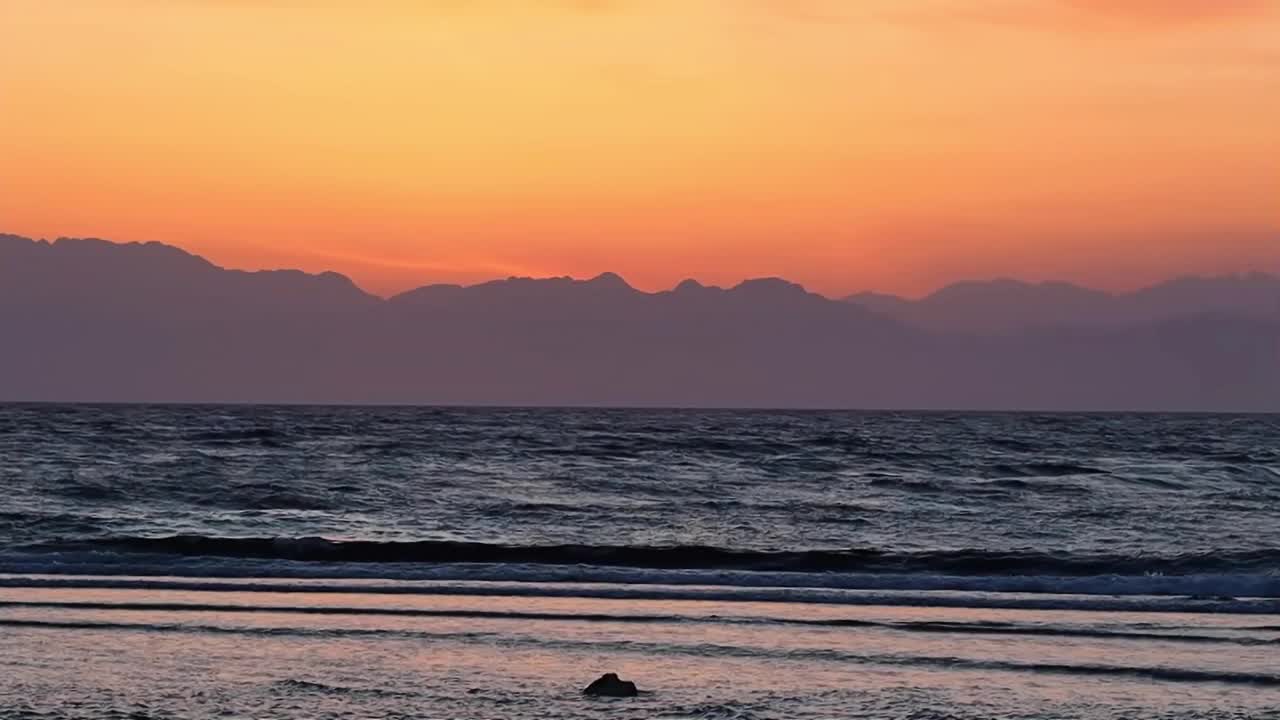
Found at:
(625, 407)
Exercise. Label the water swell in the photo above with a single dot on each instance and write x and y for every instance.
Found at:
(930, 627)
(692, 557)
(266, 436)
(695, 589)
(1159, 673)
(1046, 469)
(292, 686)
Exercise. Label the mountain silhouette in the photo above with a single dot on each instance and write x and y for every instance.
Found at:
(94, 321)
(1005, 305)
(139, 272)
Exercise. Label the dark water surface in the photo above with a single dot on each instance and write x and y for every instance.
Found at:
(913, 493)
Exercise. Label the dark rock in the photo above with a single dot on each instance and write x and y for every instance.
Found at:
(608, 685)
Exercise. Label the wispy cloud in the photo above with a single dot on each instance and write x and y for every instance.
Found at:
(1035, 14)
(1031, 13)
(1163, 12)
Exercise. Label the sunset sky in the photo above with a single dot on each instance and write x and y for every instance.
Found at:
(845, 144)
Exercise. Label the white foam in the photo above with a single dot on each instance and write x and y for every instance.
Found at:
(1193, 593)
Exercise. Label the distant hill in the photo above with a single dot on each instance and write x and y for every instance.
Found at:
(1004, 305)
(90, 320)
(138, 273)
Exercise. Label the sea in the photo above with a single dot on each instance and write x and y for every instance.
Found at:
(403, 562)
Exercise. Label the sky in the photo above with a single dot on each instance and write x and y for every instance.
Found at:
(893, 145)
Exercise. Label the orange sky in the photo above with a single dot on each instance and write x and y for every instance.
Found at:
(885, 144)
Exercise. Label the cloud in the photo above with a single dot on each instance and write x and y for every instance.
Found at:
(1162, 12)
(818, 11)
(1048, 15)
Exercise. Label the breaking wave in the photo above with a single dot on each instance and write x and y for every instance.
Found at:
(941, 562)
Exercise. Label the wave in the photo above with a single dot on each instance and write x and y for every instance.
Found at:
(307, 686)
(1046, 469)
(1161, 673)
(693, 588)
(1166, 674)
(689, 557)
(79, 487)
(931, 627)
(260, 436)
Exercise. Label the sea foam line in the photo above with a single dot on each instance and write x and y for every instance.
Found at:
(1239, 585)
(982, 628)
(834, 596)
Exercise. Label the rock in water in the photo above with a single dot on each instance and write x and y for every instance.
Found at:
(608, 685)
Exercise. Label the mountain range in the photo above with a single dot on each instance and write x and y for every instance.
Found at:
(1007, 305)
(89, 320)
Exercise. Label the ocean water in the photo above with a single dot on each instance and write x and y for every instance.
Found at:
(202, 562)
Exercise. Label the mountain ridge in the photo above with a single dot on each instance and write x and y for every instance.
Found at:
(949, 291)
(1008, 305)
(96, 321)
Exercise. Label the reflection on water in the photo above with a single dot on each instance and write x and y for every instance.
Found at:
(65, 653)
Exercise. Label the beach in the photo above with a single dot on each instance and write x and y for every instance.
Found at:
(100, 652)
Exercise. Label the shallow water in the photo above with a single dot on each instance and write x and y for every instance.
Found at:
(111, 652)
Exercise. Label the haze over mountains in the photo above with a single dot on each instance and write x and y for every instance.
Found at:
(90, 320)
(1006, 305)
